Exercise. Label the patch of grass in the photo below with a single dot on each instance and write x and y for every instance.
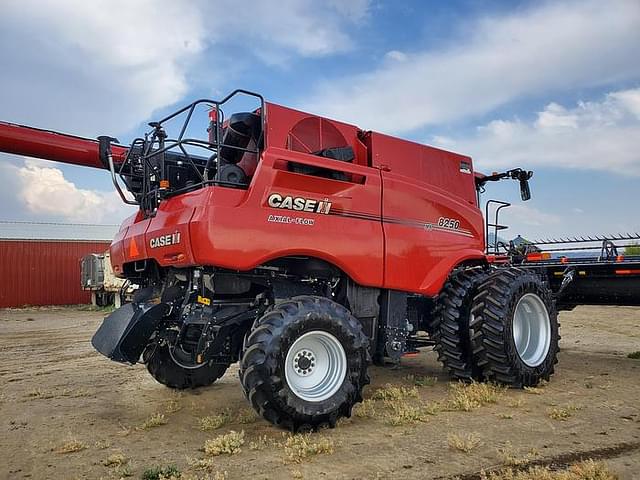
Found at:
(172, 406)
(213, 422)
(115, 460)
(587, 470)
(155, 420)
(366, 409)
(559, 413)
(72, 445)
(421, 380)
(228, 444)
(259, 443)
(634, 355)
(161, 473)
(464, 442)
(298, 448)
(534, 390)
(516, 403)
(563, 413)
(505, 416)
(207, 463)
(509, 456)
(403, 413)
(246, 415)
(394, 392)
(124, 471)
(102, 444)
(469, 396)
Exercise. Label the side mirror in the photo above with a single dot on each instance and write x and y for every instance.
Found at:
(523, 177)
(525, 191)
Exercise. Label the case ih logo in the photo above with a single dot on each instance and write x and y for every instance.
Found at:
(165, 240)
(299, 204)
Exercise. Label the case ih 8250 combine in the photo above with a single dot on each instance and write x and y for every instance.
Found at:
(306, 248)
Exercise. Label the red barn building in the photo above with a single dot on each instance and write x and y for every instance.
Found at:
(40, 262)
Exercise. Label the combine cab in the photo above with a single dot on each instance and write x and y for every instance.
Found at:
(306, 248)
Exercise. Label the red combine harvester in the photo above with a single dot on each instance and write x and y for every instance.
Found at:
(306, 248)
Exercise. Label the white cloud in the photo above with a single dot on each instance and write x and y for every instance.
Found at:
(277, 30)
(104, 66)
(598, 135)
(549, 47)
(97, 66)
(47, 193)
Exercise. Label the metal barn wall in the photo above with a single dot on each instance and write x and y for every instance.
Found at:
(35, 272)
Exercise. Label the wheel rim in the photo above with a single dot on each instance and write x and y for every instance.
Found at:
(316, 366)
(531, 330)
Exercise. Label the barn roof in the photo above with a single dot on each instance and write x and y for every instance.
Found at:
(56, 231)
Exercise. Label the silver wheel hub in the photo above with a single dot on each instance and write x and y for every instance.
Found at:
(304, 362)
(315, 366)
(531, 330)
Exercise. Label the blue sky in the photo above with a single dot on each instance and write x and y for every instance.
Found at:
(549, 86)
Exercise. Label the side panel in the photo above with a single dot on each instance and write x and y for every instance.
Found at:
(240, 230)
(430, 218)
(164, 236)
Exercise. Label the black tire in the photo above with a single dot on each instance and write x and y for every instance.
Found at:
(167, 372)
(449, 327)
(492, 328)
(262, 366)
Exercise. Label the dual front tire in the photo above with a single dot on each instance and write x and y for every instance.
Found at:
(514, 328)
(500, 326)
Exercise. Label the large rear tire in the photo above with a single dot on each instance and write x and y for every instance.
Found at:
(449, 327)
(163, 367)
(304, 363)
(515, 330)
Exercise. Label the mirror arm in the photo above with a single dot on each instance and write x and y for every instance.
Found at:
(519, 174)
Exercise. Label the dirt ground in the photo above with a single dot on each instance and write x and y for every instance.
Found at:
(55, 388)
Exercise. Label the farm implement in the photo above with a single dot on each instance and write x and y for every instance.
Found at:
(305, 249)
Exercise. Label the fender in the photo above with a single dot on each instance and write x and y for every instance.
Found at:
(437, 276)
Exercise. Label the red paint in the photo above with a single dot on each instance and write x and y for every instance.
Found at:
(48, 145)
(43, 272)
(383, 228)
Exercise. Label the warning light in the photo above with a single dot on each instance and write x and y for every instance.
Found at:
(133, 249)
(164, 184)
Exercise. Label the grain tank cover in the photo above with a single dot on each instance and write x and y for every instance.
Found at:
(448, 171)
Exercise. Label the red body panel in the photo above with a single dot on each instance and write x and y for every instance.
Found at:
(421, 186)
(382, 229)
